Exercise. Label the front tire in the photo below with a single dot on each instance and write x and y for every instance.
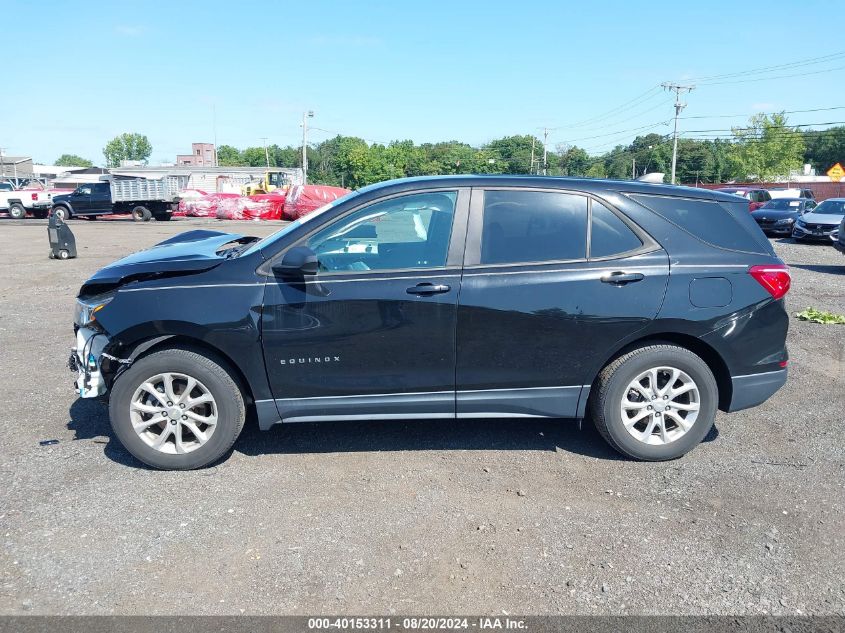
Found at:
(655, 403)
(177, 409)
(63, 213)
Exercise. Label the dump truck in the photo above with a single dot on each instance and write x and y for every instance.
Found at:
(151, 195)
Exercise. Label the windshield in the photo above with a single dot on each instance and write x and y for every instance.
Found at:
(285, 230)
(278, 179)
(831, 207)
(784, 203)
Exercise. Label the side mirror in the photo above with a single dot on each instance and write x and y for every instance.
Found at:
(299, 261)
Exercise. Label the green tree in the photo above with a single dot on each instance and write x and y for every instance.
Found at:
(825, 148)
(514, 152)
(766, 149)
(572, 161)
(229, 156)
(72, 160)
(127, 146)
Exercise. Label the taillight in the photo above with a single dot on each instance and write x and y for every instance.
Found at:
(775, 278)
(34, 196)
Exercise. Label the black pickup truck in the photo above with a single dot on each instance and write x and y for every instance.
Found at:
(142, 197)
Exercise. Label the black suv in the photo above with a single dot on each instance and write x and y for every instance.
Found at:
(645, 307)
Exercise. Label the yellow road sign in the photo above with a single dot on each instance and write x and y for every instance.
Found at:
(836, 172)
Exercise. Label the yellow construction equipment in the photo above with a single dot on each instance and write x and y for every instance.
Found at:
(270, 181)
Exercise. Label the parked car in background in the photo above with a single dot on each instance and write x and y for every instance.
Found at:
(778, 216)
(838, 237)
(756, 197)
(807, 194)
(18, 202)
(645, 307)
(819, 223)
(145, 197)
(6, 186)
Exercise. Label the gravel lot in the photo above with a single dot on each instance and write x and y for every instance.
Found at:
(533, 517)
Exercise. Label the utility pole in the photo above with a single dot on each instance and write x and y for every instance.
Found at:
(531, 167)
(305, 116)
(545, 151)
(678, 89)
(214, 128)
(633, 169)
(266, 153)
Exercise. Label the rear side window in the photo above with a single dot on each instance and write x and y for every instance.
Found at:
(533, 226)
(726, 225)
(609, 235)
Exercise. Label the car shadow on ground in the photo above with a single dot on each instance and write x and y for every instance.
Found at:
(832, 269)
(89, 420)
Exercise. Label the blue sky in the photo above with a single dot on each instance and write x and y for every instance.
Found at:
(427, 71)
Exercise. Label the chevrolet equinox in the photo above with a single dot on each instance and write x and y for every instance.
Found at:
(643, 307)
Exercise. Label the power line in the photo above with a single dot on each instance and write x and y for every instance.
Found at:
(767, 69)
(745, 114)
(638, 100)
(744, 81)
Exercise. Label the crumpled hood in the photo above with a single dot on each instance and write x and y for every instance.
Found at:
(193, 251)
(821, 218)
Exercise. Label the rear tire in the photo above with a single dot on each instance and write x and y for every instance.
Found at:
(178, 366)
(162, 217)
(63, 254)
(17, 211)
(141, 214)
(667, 425)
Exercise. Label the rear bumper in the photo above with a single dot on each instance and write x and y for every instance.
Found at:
(753, 389)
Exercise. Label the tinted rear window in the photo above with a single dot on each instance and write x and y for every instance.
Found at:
(726, 225)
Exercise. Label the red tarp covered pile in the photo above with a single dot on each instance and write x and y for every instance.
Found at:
(303, 199)
(231, 206)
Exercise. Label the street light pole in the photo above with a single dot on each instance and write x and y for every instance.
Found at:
(266, 153)
(305, 116)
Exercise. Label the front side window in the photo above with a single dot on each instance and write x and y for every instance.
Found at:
(610, 235)
(533, 226)
(410, 231)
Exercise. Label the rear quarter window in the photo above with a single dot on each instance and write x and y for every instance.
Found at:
(726, 225)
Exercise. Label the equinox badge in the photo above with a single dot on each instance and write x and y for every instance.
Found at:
(314, 359)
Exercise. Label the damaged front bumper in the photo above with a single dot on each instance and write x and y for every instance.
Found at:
(85, 359)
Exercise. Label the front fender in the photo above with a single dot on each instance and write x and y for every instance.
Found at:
(222, 318)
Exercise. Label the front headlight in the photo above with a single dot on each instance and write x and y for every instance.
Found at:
(800, 223)
(86, 310)
(785, 221)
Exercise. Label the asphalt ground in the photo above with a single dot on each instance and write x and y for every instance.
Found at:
(475, 516)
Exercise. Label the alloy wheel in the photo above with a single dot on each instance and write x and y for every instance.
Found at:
(173, 413)
(660, 405)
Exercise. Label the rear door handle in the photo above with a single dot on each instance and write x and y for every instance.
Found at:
(620, 278)
(428, 289)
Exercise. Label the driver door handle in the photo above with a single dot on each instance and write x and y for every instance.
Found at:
(428, 289)
(620, 278)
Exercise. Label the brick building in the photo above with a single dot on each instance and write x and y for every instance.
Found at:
(202, 155)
